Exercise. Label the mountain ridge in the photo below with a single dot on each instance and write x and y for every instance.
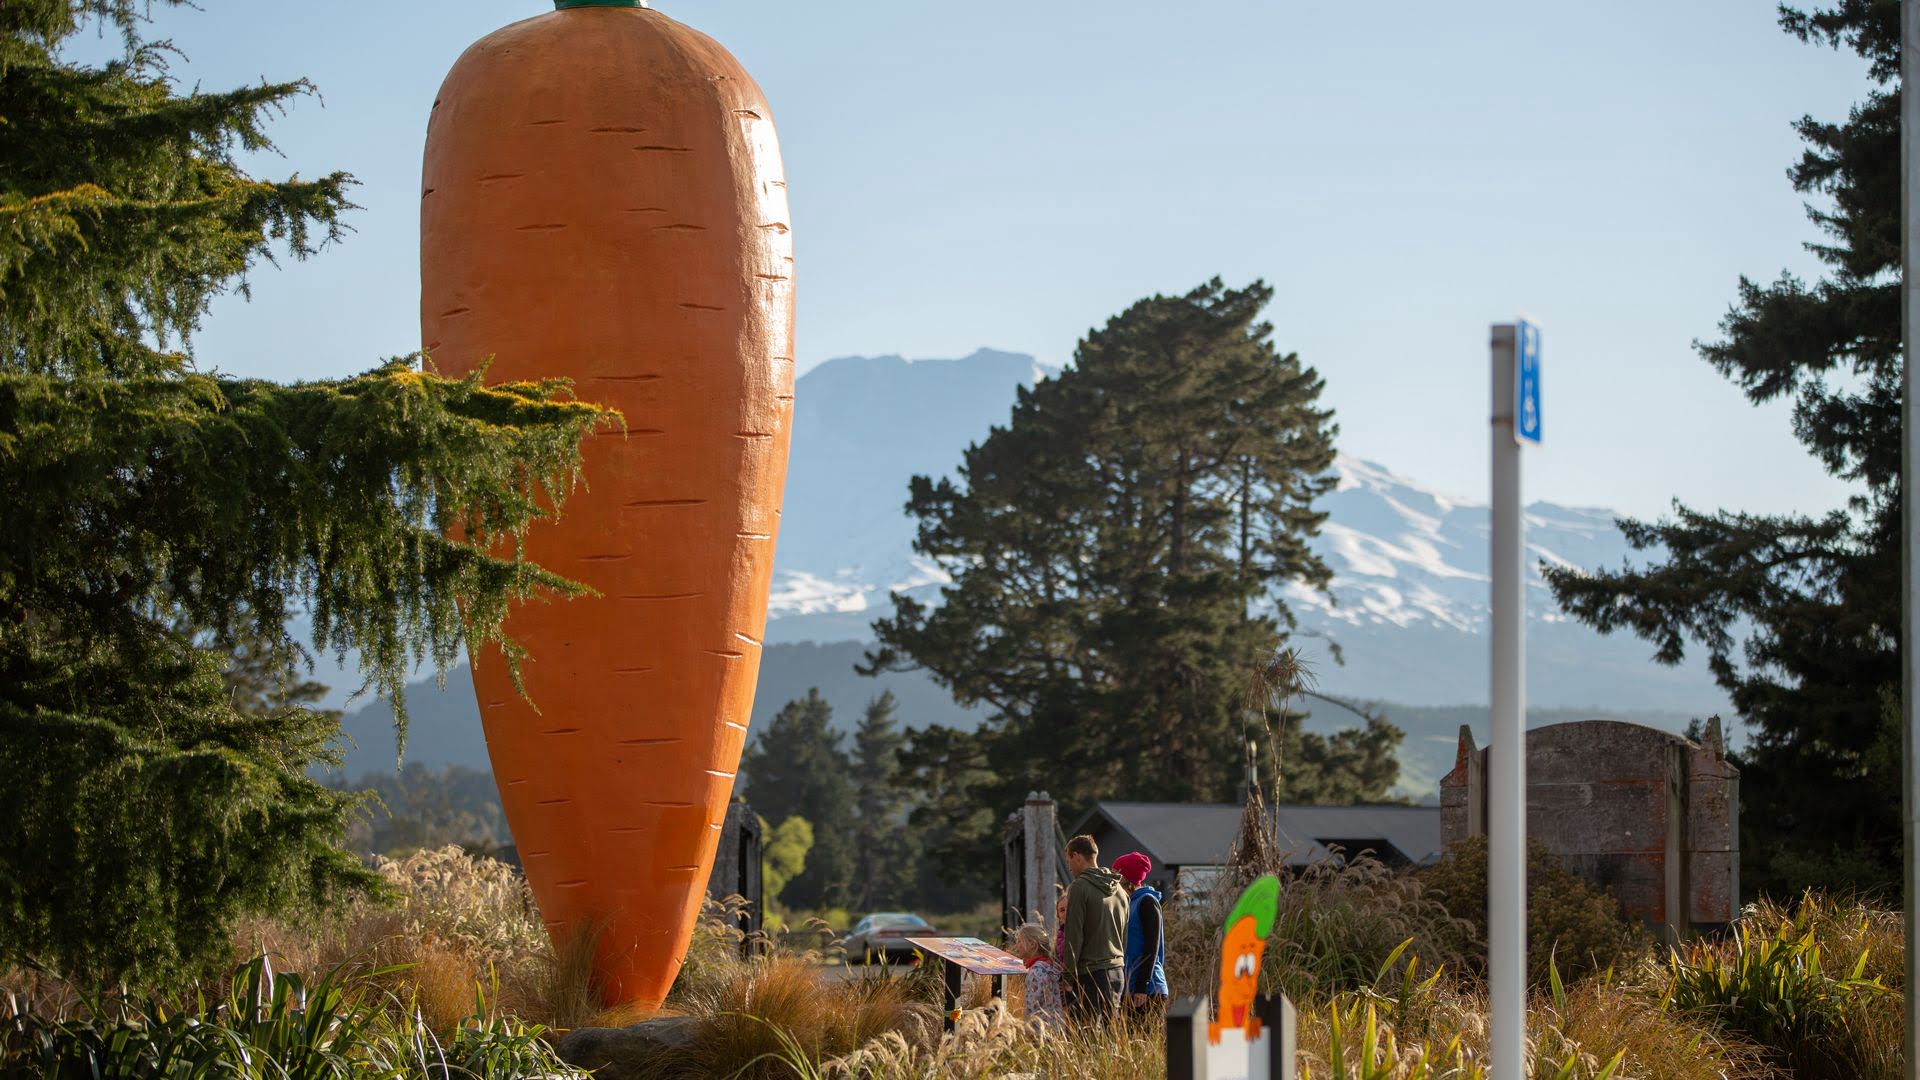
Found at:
(1404, 621)
(1407, 608)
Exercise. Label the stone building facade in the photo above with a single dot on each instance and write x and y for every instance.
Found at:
(1650, 815)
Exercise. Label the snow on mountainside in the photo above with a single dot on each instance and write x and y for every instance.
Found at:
(1408, 606)
(1407, 610)
(862, 427)
(1405, 556)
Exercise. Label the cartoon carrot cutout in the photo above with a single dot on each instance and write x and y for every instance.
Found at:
(603, 200)
(1241, 948)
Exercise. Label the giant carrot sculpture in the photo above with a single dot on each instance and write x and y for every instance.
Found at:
(603, 200)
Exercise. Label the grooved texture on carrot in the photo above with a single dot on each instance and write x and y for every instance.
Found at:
(540, 248)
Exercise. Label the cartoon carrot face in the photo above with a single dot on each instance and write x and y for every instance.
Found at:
(603, 200)
(1241, 951)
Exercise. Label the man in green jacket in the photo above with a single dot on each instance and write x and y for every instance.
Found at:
(1093, 953)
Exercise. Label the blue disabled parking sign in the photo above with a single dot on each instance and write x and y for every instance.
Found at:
(1526, 384)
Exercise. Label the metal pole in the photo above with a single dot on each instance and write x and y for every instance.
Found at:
(1507, 754)
(1910, 473)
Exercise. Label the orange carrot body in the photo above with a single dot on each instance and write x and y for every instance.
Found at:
(603, 200)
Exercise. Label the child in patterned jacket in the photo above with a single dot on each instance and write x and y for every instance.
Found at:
(1030, 944)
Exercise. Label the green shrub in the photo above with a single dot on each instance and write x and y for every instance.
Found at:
(1571, 924)
(1774, 982)
(1845, 927)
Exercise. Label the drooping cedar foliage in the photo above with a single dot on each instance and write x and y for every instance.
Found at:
(154, 515)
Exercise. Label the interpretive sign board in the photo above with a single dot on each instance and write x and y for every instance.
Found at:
(972, 954)
(958, 954)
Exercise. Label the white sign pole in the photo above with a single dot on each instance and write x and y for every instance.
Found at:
(1507, 756)
(1910, 475)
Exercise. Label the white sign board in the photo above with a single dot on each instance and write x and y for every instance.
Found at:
(1235, 1057)
(1193, 1055)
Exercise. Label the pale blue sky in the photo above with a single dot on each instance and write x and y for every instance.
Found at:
(1010, 174)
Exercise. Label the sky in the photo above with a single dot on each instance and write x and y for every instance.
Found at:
(1010, 175)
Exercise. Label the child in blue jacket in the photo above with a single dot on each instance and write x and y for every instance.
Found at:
(1146, 970)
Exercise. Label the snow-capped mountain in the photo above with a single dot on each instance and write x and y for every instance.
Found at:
(1408, 604)
(1403, 555)
(862, 427)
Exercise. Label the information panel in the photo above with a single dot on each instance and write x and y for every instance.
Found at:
(972, 954)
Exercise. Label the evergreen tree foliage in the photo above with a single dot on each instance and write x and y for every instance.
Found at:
(158, 517)
(1115, 553)
(264, 678)
(797, 768)
(884, 854)
(956, 810)
(420, 808)
(1351, 765)
(784, 855)
(1799, 616)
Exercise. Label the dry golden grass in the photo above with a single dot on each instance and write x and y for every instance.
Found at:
(1336, 924)
(439, 985)
(467, 926)
(556, 987)
(714, 956)
(1439, 1031)
(773, 1011)
(1600, 1019)
(991, 1042)
(462, 924)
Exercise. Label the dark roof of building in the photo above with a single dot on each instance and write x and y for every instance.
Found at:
(1199, 834)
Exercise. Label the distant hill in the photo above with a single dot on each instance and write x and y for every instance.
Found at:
(1409, 599)
(1408, 606)
(1433, 732)
(443, 726)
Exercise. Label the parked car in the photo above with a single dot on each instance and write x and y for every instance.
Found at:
(883, 935)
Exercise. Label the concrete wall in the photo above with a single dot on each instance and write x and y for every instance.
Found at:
(1645, 813)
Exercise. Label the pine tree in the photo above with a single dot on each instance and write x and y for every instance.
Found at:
(1350, 765)
(1799, 616)
(884, 853)
(797, 768)
(1115, 551)
(156, 514)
